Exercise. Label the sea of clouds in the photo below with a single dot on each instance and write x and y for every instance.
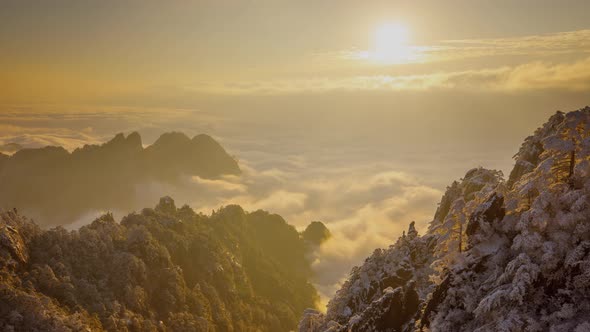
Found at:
(365, 176)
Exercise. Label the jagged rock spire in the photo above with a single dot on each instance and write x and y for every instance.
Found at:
(412, 232)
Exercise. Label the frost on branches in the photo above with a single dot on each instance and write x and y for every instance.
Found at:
(385, 293)
(459, 201)
(498, 256)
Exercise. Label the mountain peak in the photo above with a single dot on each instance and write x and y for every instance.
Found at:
(132, 141)
(176, 154)
(316, 233)
(529, 156)
(203, 137)
(171, 138)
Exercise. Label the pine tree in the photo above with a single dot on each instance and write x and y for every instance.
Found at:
(566, 147)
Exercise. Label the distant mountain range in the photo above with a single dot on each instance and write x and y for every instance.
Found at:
(56, 186)
(498, 255)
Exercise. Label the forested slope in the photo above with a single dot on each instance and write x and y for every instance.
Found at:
(164, 269)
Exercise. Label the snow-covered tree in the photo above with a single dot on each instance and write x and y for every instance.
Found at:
(457, 204)
(567, 146)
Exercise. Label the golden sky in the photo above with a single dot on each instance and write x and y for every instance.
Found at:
(96, 51)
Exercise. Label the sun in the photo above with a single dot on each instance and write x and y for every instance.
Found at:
(391, 43)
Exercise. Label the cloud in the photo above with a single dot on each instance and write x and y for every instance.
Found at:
(28, 137)
(364, 208)
(281, 200)
(376, 223)
(562, 43)
(538, 75)
(224, 186)
(570, 42)
(549, 61)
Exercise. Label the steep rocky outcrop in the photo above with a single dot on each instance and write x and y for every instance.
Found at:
(13, 250)
(391, 312)
(491, 210)
(316, 233)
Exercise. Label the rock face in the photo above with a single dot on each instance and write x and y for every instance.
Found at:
(13, 250)
(498, 256)
(488, 212)
(175, 154)
(98, 177)
(12, 243)
(438, 295)
(164, 269)
(316, 233)
(391, 312)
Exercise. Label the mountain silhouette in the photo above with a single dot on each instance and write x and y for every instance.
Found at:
(56, 186)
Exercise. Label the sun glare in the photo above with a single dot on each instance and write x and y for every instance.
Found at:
(391, 44)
